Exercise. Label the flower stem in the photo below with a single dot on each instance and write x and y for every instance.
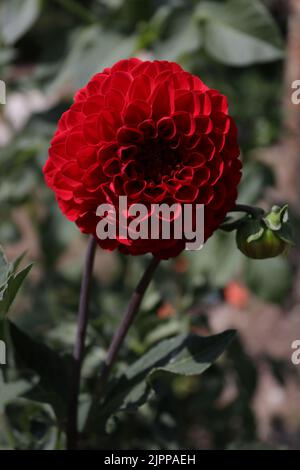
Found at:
(78, 352)
(120, 334)
(252, 210)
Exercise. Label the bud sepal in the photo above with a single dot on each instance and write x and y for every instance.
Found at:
(265, 237)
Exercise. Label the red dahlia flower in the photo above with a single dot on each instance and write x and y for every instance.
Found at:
(152, 132)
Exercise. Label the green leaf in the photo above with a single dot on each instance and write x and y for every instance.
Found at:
(91, 50)
(183, 355)
(16, 18)
(184, 38)
(217, 263)
(14, 282)
(11, 390)
(6, 55)
(256, 178)
(10, 280)
(53, 370)
(16, 263)
(269, 279)
(4, 269)
(239, 32)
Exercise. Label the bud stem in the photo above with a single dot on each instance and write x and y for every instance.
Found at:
(256, 212)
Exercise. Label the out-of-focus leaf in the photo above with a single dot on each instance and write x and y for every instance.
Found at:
(165, 330)
(183, 355)
(11, 390)
(10, 291)
(218, 261)
(16, 18)
(239, 32)
(92, 49)
(5, 268)
(150, 31)
(270, 278)
(185, 37)
(256, 178)
(18, 187)
(53, 370)
(6, 55)
(10, 280)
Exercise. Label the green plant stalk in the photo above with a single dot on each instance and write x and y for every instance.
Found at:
(255, 212)
(251, 210)
(78, 352)
(118, 338)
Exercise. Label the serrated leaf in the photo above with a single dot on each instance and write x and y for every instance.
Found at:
(16, 263)
(11, 288)
(183, 355)
(53, 370)
(239, 32)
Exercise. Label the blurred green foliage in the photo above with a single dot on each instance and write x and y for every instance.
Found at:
(54, 46)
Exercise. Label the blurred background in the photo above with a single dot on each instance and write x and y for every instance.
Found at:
(250, 51)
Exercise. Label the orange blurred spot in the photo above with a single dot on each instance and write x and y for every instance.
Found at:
(236, 294)
(181, 264)
(166, 310)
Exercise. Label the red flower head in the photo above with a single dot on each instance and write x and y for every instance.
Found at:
(152, 132)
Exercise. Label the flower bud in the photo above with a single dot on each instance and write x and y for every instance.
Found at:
(265, 237)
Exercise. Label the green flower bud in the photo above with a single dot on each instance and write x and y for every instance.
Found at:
(265, 237)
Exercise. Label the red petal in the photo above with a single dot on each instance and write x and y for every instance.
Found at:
(127, 152)
(121, 81)
(127, 135)
(86, 157)
(161, 101)
(74, 142)
(148, 128)
(134, 188)
(203, 103)
(166, 128)
(140, 88)
(184, 122)
(136, 112)
(94, 104)
(91, 129)
(186, 194)
(185, 102)
(114, 99)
